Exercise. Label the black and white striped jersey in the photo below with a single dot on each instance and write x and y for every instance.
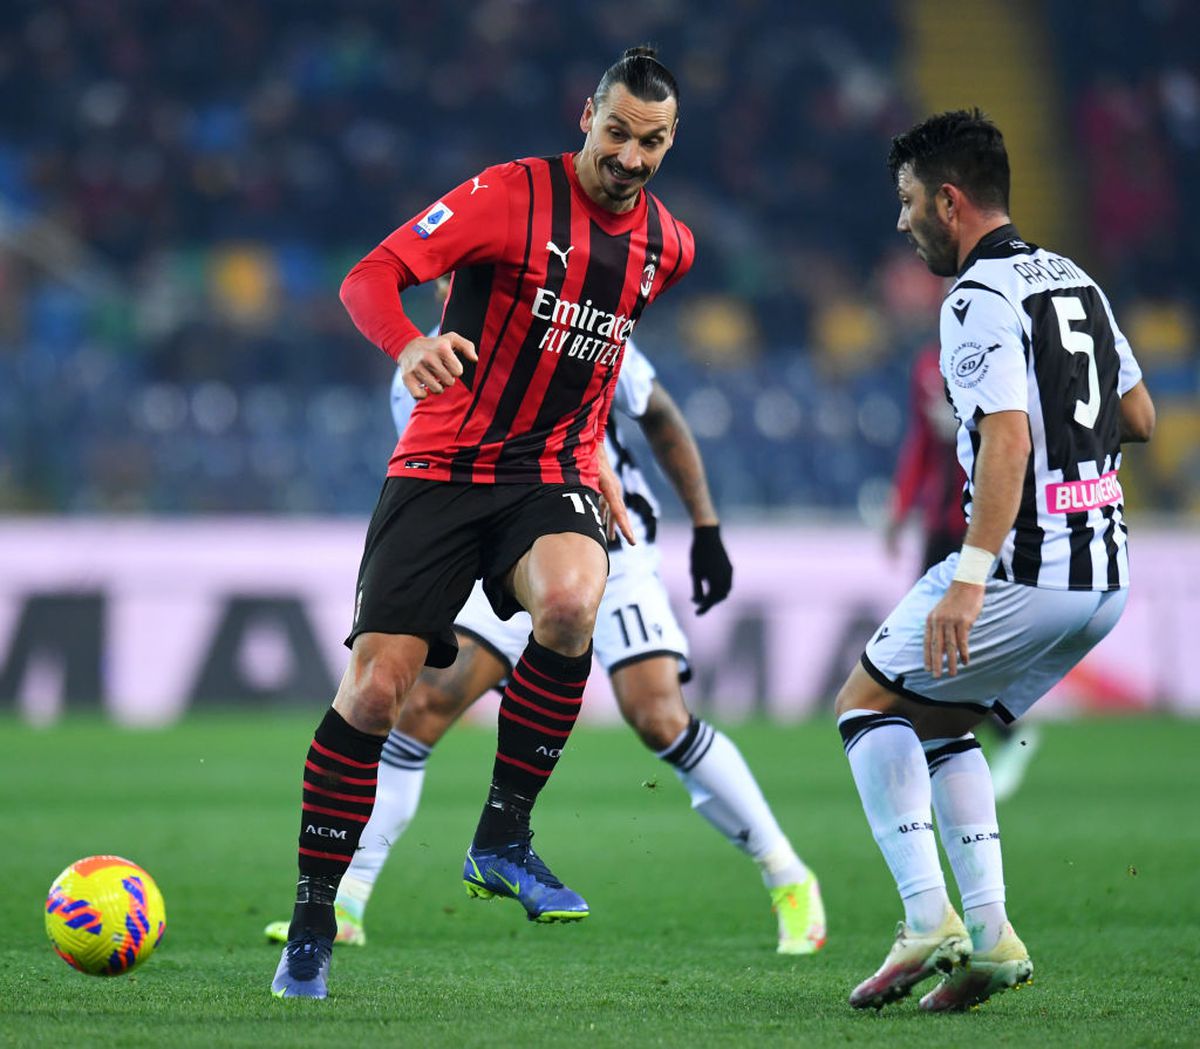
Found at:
(1025, 329)
(630, 401)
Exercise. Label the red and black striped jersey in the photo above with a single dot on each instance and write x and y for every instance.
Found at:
(549, 286)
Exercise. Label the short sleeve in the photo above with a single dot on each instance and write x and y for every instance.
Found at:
(467, 226)
(1131, 373)
(635, 383)
(983, 354)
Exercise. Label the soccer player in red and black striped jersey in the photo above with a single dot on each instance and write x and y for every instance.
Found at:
(496, 477)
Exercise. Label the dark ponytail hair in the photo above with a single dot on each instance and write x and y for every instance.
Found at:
(643, 75)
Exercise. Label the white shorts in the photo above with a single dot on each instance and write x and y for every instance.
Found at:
(1024, 642)
(635, 620)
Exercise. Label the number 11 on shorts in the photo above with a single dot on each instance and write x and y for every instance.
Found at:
(578, 502)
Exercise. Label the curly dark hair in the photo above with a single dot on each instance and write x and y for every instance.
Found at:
(962, 147)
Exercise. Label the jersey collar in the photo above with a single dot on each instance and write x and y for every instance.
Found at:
(987, 242)
(609, 221)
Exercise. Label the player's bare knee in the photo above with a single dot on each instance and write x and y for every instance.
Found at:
(862, 692)
(845, 700)
(564, 620)
(371, 698)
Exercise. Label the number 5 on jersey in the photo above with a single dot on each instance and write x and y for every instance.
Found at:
(1070, 308)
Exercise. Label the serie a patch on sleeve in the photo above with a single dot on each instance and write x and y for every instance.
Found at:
(429, 223)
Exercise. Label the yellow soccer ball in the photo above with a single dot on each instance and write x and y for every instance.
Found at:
(104, 915)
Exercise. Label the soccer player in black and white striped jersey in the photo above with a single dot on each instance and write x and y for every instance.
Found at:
(1045, 389)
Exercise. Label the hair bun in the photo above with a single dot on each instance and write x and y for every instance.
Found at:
(641, 51)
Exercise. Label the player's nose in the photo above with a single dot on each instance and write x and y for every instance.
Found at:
(902, 222)
(630, 157)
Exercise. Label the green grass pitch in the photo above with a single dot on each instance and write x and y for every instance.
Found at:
(1102, 851)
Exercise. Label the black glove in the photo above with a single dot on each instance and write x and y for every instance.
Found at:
(711, 565)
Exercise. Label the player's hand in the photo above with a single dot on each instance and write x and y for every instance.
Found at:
(948, 627)
(712, 571)
(612, 503)
(430, 364)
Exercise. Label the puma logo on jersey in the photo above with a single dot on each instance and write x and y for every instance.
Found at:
(476, 184)
(554, 249)
(959, 309)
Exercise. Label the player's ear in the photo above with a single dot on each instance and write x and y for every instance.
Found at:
(588, 115)
(948, 201)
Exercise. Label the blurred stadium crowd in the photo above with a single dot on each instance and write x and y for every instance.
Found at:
(183, 186)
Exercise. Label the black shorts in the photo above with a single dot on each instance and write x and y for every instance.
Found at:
(429, 541)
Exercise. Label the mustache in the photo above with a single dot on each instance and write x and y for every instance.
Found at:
(617, 169)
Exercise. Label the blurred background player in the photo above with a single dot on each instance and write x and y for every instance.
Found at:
(496, 475)
(639, 644)
(1046, 390)
(929, 481)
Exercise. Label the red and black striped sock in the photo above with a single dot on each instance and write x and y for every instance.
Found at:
(540, 704)
(340, 775)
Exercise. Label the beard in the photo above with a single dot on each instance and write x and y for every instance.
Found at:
(935, 245)
(623, 190)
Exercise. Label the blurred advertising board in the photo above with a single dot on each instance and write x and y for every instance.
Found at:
(147, 619)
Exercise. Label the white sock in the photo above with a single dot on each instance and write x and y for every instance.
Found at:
(893, 782)
(965, 803)
(401, 776)
(723, 790)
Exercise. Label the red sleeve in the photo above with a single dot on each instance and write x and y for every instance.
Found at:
(466, 226)
(371, 295)
(912, 464)
(684, 245)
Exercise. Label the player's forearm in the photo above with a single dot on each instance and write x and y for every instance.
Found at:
(1000, 469)
(371, 295)
(1137, 415)
(670, 439)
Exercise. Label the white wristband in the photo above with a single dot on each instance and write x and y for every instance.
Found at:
(974, 565)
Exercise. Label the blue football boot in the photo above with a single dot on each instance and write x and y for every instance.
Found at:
(303, 967)
(517, 872)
